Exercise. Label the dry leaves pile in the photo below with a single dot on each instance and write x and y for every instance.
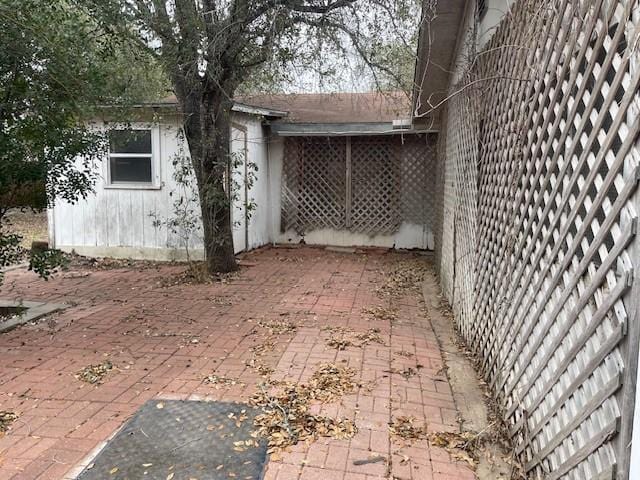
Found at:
(407, 429)
(6, 419)
(382, 313)
(95, 373)
(464, 446)
(221, 381)
(406, 276)
(286, 419)
(343, 337)
(278, 327)
(262, 348)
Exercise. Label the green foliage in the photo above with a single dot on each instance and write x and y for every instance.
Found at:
(46, 262)
(58, 66)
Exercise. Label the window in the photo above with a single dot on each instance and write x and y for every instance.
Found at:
(130, 157)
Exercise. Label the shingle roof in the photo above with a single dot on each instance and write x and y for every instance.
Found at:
(371, 107)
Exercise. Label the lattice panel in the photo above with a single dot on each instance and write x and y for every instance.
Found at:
(417, 173)
(314, 185)
(375, 180)
(537, 225)
(367, 184)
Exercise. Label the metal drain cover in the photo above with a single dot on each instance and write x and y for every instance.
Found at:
(183, 440)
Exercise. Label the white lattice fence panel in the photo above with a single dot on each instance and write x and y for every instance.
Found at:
(539, 185)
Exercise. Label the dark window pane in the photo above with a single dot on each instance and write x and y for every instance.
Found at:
(130, 141)
(130, 169)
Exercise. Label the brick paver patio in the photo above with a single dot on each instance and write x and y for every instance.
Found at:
(164, 340)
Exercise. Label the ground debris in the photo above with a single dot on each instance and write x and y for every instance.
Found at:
(286, 419)
(382, 313)
(6, 419)
(407, 372)
(278, 327)
(262, 348)
(407, 429)
(221, 381)
(404, 353)
(464, 446)
(196, 273)
(343, 337)
(80, 261)
(94, 374)
(404, 277)
(262, 369)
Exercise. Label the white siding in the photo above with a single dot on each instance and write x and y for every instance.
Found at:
(117, 221)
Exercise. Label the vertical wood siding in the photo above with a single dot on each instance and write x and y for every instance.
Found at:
(113, 220)
(536, 243)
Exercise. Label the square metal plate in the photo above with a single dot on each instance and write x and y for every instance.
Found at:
(189, 439)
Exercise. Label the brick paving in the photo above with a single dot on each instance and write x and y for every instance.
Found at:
(164, 340)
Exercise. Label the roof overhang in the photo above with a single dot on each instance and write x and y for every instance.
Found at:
(339, 129)
(437, 45)
(237, 107)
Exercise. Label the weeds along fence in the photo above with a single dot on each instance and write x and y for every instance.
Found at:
(538, 170)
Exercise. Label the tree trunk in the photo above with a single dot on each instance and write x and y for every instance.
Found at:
(207, 131)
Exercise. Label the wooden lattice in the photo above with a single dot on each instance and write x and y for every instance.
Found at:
(375, 180)
(417, 173)
(314, 184)
(367, 184)
(536, 235)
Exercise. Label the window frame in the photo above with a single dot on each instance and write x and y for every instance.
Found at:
(155, 183)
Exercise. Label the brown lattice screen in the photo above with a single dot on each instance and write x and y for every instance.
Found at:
(368, 184)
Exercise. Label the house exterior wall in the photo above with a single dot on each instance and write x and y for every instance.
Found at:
(536, 243)
(119, 222)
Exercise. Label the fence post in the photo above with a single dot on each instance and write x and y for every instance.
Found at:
(630, 432)
(348, 190)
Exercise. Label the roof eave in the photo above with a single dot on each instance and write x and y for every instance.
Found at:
(340, 129)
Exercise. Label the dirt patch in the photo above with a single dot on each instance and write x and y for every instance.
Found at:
(482, 441)
(29, 225)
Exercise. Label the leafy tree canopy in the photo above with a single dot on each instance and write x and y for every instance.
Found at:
(57, 65)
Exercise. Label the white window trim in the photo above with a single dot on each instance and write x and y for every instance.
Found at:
(156, 183)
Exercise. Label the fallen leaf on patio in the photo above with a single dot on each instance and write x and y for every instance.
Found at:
(6, 419)
(114, 470)
(94, 373)
(405, 428)
(220, 381)
(286, 419)
(278, 327)
(381, 313)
